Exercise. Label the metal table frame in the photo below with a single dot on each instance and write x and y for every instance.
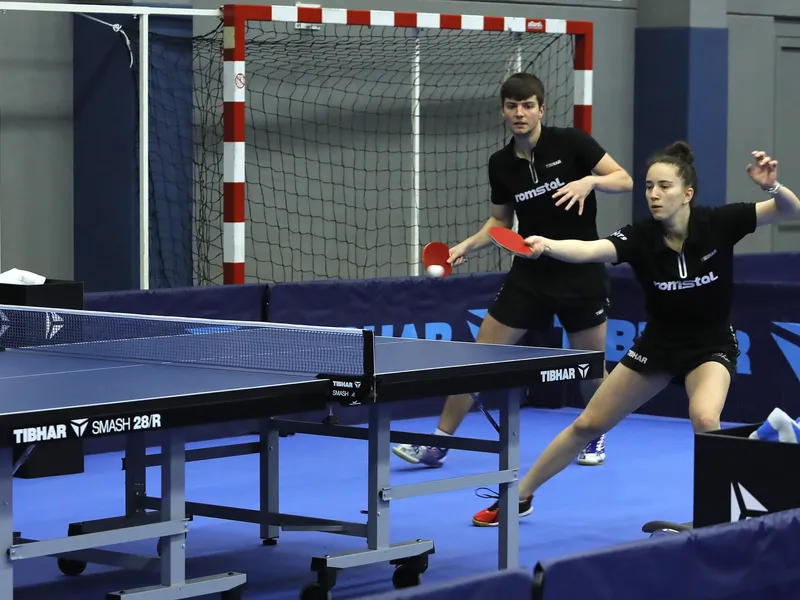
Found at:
(85, 542)
(410, 557)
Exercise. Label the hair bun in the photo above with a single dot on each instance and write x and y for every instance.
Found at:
(680, 150)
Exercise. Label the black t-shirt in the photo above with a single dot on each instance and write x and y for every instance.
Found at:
(691, 291)
(561, 155)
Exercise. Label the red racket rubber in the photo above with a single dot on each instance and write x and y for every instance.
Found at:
(510, 241)
(437, 253)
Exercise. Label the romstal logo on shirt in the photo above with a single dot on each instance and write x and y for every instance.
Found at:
(685, 284)
(550, 186)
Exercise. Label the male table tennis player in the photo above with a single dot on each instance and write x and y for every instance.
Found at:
(548, 176)
(683, 259)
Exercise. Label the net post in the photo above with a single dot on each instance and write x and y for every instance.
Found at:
(234, 187)
(416, 73)
(584, 64)
(369, 359)
(144, 151)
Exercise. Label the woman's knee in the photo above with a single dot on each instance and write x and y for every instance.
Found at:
(587, 427)
(707, 387)
(704, 420)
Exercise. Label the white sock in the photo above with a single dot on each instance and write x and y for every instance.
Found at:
(440, 432)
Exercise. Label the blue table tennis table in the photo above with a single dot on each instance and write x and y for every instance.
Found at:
(150, 378)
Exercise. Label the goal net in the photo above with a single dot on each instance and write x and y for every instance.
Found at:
(332, 143)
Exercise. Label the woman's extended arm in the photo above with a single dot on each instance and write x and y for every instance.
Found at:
(573, 251)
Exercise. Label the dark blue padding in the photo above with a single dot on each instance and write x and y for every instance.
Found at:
(681, 92)
(511, 584)
(246, 302)
(747, 560)
(106, 185)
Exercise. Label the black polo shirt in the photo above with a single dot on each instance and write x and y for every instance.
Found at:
(561, 155)
(691, 290)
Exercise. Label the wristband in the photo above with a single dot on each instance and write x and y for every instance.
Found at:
(773, 191)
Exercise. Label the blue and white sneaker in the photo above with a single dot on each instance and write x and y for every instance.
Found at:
(429, 456)
(594, 453)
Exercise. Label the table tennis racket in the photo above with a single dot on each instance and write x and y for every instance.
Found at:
(510, 241)
(437, 253)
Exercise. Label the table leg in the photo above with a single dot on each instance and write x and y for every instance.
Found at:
(135, 474)
(508, 536)
(6, 523)
(269, 480)
(379, 478)
(173, 486)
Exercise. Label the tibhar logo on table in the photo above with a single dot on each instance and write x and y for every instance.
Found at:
(565, 374)
(46, 433)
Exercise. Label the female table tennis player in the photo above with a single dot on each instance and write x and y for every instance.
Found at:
(683, 258)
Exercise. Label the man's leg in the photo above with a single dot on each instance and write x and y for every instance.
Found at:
(458, 406)
(586, 328)
(593, 338)
(512, 314)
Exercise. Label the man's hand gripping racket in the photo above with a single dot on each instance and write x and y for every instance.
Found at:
(436, 259)
(439, 260)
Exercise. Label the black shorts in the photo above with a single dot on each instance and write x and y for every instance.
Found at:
(649, 354)
(519, 308)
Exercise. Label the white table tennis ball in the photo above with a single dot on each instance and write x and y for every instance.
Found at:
(436, 270)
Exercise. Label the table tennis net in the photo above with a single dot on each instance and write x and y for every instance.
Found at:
(234, 344)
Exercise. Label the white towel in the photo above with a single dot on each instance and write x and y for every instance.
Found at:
(779, 427)
(20, 277)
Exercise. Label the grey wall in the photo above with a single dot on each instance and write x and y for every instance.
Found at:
(36, 108)
(763, 94)
(36, 143)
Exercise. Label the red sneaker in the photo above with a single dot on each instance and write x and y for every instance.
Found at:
(488, 516)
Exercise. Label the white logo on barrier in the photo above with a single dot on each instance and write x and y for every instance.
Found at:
(583, 370)
(53, 324)
(45, 433)
(79, 426)
(550, 186)
(671, 286)
(744, 505)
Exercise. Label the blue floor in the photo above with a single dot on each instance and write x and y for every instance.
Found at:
(648, 475)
